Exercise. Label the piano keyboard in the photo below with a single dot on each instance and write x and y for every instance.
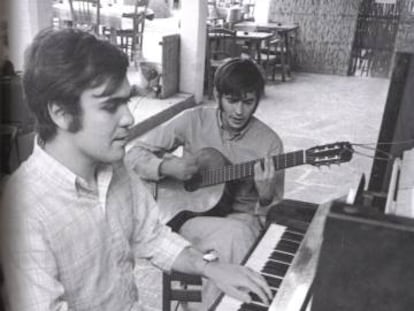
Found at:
(272, 258)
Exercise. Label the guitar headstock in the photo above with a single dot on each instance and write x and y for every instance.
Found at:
(329, 154)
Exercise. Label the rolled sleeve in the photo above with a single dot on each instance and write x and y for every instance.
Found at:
(147, 153)
(169, 247)
(154, 240)
(143, 162)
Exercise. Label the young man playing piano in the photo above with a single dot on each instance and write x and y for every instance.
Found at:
(74, 220)
(234, 223)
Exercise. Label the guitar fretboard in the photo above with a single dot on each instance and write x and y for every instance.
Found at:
(246, 169)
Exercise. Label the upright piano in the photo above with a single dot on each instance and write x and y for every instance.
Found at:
(286, 255)
(335, 256)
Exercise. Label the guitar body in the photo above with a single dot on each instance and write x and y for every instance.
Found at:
(203, 193)
(175, 196)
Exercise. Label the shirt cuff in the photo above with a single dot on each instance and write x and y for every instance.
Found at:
(169, 249)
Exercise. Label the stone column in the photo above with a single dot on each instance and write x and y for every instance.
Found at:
(193, 47)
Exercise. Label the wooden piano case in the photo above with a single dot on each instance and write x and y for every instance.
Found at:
(366, 262)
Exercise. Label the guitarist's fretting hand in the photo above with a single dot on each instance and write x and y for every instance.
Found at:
(179, 168)
(265, 180)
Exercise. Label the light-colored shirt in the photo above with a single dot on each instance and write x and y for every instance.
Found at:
(201, 127)
(71, 247)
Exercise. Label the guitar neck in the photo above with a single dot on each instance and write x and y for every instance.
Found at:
(246, 169)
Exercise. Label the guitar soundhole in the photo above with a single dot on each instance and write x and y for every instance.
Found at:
(193, 184)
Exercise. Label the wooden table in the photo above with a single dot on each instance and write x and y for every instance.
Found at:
(283, 30)
(254, 38)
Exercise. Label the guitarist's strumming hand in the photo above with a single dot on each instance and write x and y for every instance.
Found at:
(265, 180)
(179, 168)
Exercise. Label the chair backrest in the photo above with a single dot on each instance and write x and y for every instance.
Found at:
(221, 43)
(138, 29)
(86, 14)
(131, 40)
(181, 288)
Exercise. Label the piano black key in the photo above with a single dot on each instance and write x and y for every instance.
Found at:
(272, 281)
(297, 230)
(287, 246)
(282, 257)
(257, 298)
(292, 236)
(275, 268)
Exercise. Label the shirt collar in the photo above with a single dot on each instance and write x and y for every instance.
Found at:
(231, 135)
(63, 177)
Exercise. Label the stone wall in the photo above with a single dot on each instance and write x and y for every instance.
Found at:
(326, 31)
(405, 35)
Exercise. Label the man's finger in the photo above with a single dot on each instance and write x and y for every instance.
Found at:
(257, 286)
(260, 282)
(257, 169)
(269, 165)
(239, 294)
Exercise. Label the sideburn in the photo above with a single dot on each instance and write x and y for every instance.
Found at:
(75, 124)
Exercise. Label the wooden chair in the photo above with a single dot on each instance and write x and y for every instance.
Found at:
(271, 57)
(86, 15)
(180, 288)
(177, 287)
(130, 40)
(221, 45)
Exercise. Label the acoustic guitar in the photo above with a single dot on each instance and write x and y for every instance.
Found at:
(200, 194)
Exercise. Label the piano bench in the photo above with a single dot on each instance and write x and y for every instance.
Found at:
(180, 288)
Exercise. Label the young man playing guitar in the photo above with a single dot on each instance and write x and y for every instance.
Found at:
(229, 222)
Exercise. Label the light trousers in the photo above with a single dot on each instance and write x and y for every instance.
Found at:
(232, 238)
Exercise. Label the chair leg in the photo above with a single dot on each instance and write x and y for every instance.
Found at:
(283, 64)
(166, 297)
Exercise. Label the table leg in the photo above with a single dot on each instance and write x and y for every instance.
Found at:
(288, 54)
(283, 55)
(259, 59)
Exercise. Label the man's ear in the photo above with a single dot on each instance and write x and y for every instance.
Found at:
(215, 93)
(60, 117)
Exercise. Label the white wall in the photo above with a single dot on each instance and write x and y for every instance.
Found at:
(26, 18)
(193, 47)
(261, 11)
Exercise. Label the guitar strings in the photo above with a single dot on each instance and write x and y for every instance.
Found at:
(382, 156)
(399, 142)
(386, 156)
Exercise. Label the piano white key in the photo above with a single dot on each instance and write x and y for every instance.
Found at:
(266, 246)
(256, 261)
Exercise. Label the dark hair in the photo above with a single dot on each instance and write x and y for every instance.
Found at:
(60, 65)
(238, 76)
